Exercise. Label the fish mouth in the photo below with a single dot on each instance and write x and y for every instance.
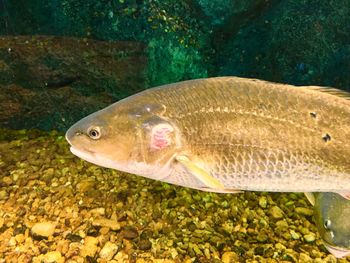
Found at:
(338, 252)
(84, 154)
(96, 159)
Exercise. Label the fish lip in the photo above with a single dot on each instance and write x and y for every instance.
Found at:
(94, 158)
(67, 139)
(83, 151)
(338, 252)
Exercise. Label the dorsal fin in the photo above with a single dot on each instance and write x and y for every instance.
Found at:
(332, 91)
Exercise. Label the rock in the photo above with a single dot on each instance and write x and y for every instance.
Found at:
(104, 222)
(304, 211)
(80, 75)
(145, 245)
(276, 212)
(7, 180)
(12, 242)
(129, 233)
(104, 230)
(85, 185)
(53, 257)
(305, 258)
(63, 246)
(3, 195)
(310, 237)
(73, 237)
(331, 259)
(263, 201)
(230, 257)
(108, 250)
(261, 237)
(98, 211)
(43, 229)
(20, 238)
(89, 247)
(294, 234)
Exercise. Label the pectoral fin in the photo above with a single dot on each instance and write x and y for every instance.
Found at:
(202, 175)
(345, 195)
(310, 197)
(338, 252)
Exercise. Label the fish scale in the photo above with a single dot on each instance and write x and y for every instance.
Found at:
(244, 134)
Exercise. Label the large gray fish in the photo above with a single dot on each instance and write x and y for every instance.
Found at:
(332, 217)
(224, 135)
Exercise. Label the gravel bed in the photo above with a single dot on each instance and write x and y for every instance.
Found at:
(55, 207)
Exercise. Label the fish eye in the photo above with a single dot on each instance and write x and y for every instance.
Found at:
(94, 133)
(327, 224)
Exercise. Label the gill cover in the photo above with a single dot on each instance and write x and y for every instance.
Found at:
(159, 138)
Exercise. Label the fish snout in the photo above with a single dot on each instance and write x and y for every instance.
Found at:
(71, 133)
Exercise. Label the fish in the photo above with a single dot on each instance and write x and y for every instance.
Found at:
(225, 135)
(332, 213)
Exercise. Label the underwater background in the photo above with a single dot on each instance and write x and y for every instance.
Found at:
(61, 60)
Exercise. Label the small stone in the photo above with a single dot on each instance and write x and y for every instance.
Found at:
(304, 230)
(73, 250)
(304, 211)
(104, 222)
(145, 245)
(90, 247)
(315, 253)
(108, 251)
(294, 234)
(104, 230)
(3, 195)
(85, 185)
(305, 258)
(286, 235)
(330, 259)
(276, 212)
(12, 242)
(262, 237)
(310, 237)
(282, 224)
(263, 201)
(230, 257)
(129, 234)
(280, 247)
(73, 237)
(98, 211)
(7, 180)
(20, 238)
(43, 229)
(82, 234)
(53, 257)
(63, 246)
(50, 171)
(197, 250)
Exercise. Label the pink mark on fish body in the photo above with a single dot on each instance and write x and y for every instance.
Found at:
(160, 136)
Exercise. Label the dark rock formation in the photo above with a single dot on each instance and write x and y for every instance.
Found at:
(50, 82)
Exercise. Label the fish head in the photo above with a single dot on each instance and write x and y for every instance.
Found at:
(332, 213)
(130, 135)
